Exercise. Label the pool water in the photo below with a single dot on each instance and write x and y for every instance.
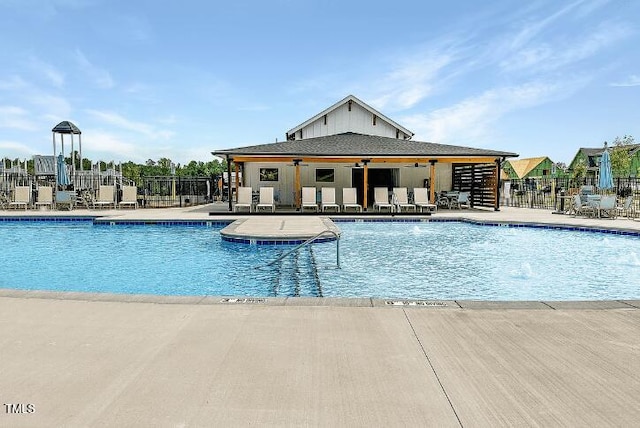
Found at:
(386, 260)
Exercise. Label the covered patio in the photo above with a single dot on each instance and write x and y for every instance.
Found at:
(365, 162)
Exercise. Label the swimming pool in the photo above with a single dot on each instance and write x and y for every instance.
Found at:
(423, 260)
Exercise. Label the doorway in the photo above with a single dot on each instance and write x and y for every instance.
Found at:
(378, 177)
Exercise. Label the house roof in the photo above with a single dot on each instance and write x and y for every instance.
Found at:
(522, 167)
(343, 101)
(352, 144)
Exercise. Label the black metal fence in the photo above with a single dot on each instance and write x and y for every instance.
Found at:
(173, 191)
(545, 193)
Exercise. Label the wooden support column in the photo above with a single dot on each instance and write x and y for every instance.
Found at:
(432, 181)
(365, 184)
(237, 168)
(497, 186)
(228, 184)
(298, 188)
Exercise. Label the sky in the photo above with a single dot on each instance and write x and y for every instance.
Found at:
(147, 79)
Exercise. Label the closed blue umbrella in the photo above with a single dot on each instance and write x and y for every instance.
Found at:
(606, 177)
(63, 174)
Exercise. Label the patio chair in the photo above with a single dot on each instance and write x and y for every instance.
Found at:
(350, 199)
(381, 199)
(462, 201)
(21, 196)
(4, 199)
(309, 198)
(129, 197)
(65, 199)
(245, 199)
(86, 198)
(607, 207)
(105, 197)
(626, 209)
(402, 199)
(45, 196)
(329, 199)
(421, 199)
(582, 209)
(266, 199)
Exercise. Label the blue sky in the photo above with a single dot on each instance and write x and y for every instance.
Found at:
(148, 79)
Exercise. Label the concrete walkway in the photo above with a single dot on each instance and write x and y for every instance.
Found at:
(80, 363)
(91, 360)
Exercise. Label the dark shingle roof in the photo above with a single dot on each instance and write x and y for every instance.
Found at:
(351, 144)
(66, 127)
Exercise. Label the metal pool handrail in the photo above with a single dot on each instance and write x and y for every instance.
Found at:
(307, 242)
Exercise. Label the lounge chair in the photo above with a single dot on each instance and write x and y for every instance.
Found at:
(266, 199)
(626, 209)
(421, 199)
(462, 201)
(582, 209)
(105, 197)
(329, 199)
(607, 207)
(45, 196)
(21, 196)
(4, 199)
(129, 197)
(86, 198)
(381, 199)
(309, 198)
(65, 199)
(245, 199)
(350, 199)
(401, 199)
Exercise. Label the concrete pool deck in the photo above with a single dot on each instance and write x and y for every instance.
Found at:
(86, 359)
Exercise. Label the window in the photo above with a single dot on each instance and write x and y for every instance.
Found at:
(374, 119)
(325, 175)
(268, 174)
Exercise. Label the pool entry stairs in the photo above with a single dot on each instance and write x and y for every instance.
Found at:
(296, 275)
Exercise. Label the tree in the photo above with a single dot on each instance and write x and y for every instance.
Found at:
(621, 156)
(580, 169)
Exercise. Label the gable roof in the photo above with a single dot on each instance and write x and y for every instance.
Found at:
(352, 144)
(522, 167)
(346, 100)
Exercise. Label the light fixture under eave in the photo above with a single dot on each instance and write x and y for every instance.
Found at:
(353, 166)
(416, 165)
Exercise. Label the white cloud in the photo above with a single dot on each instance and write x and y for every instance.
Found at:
(123, 123)
(51, 105)
(100, 145)
(16, 148)
(14, 83)
(51, 73)
(410, 82)
(470, 120)
(544, 57)
(101, 77)
(12, 117)
(633, 80)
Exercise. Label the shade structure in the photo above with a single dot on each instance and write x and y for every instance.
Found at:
(63, 174)
(605, 180)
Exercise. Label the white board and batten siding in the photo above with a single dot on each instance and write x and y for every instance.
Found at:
(349, 117)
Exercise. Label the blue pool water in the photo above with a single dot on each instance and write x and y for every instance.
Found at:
(387, 260)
